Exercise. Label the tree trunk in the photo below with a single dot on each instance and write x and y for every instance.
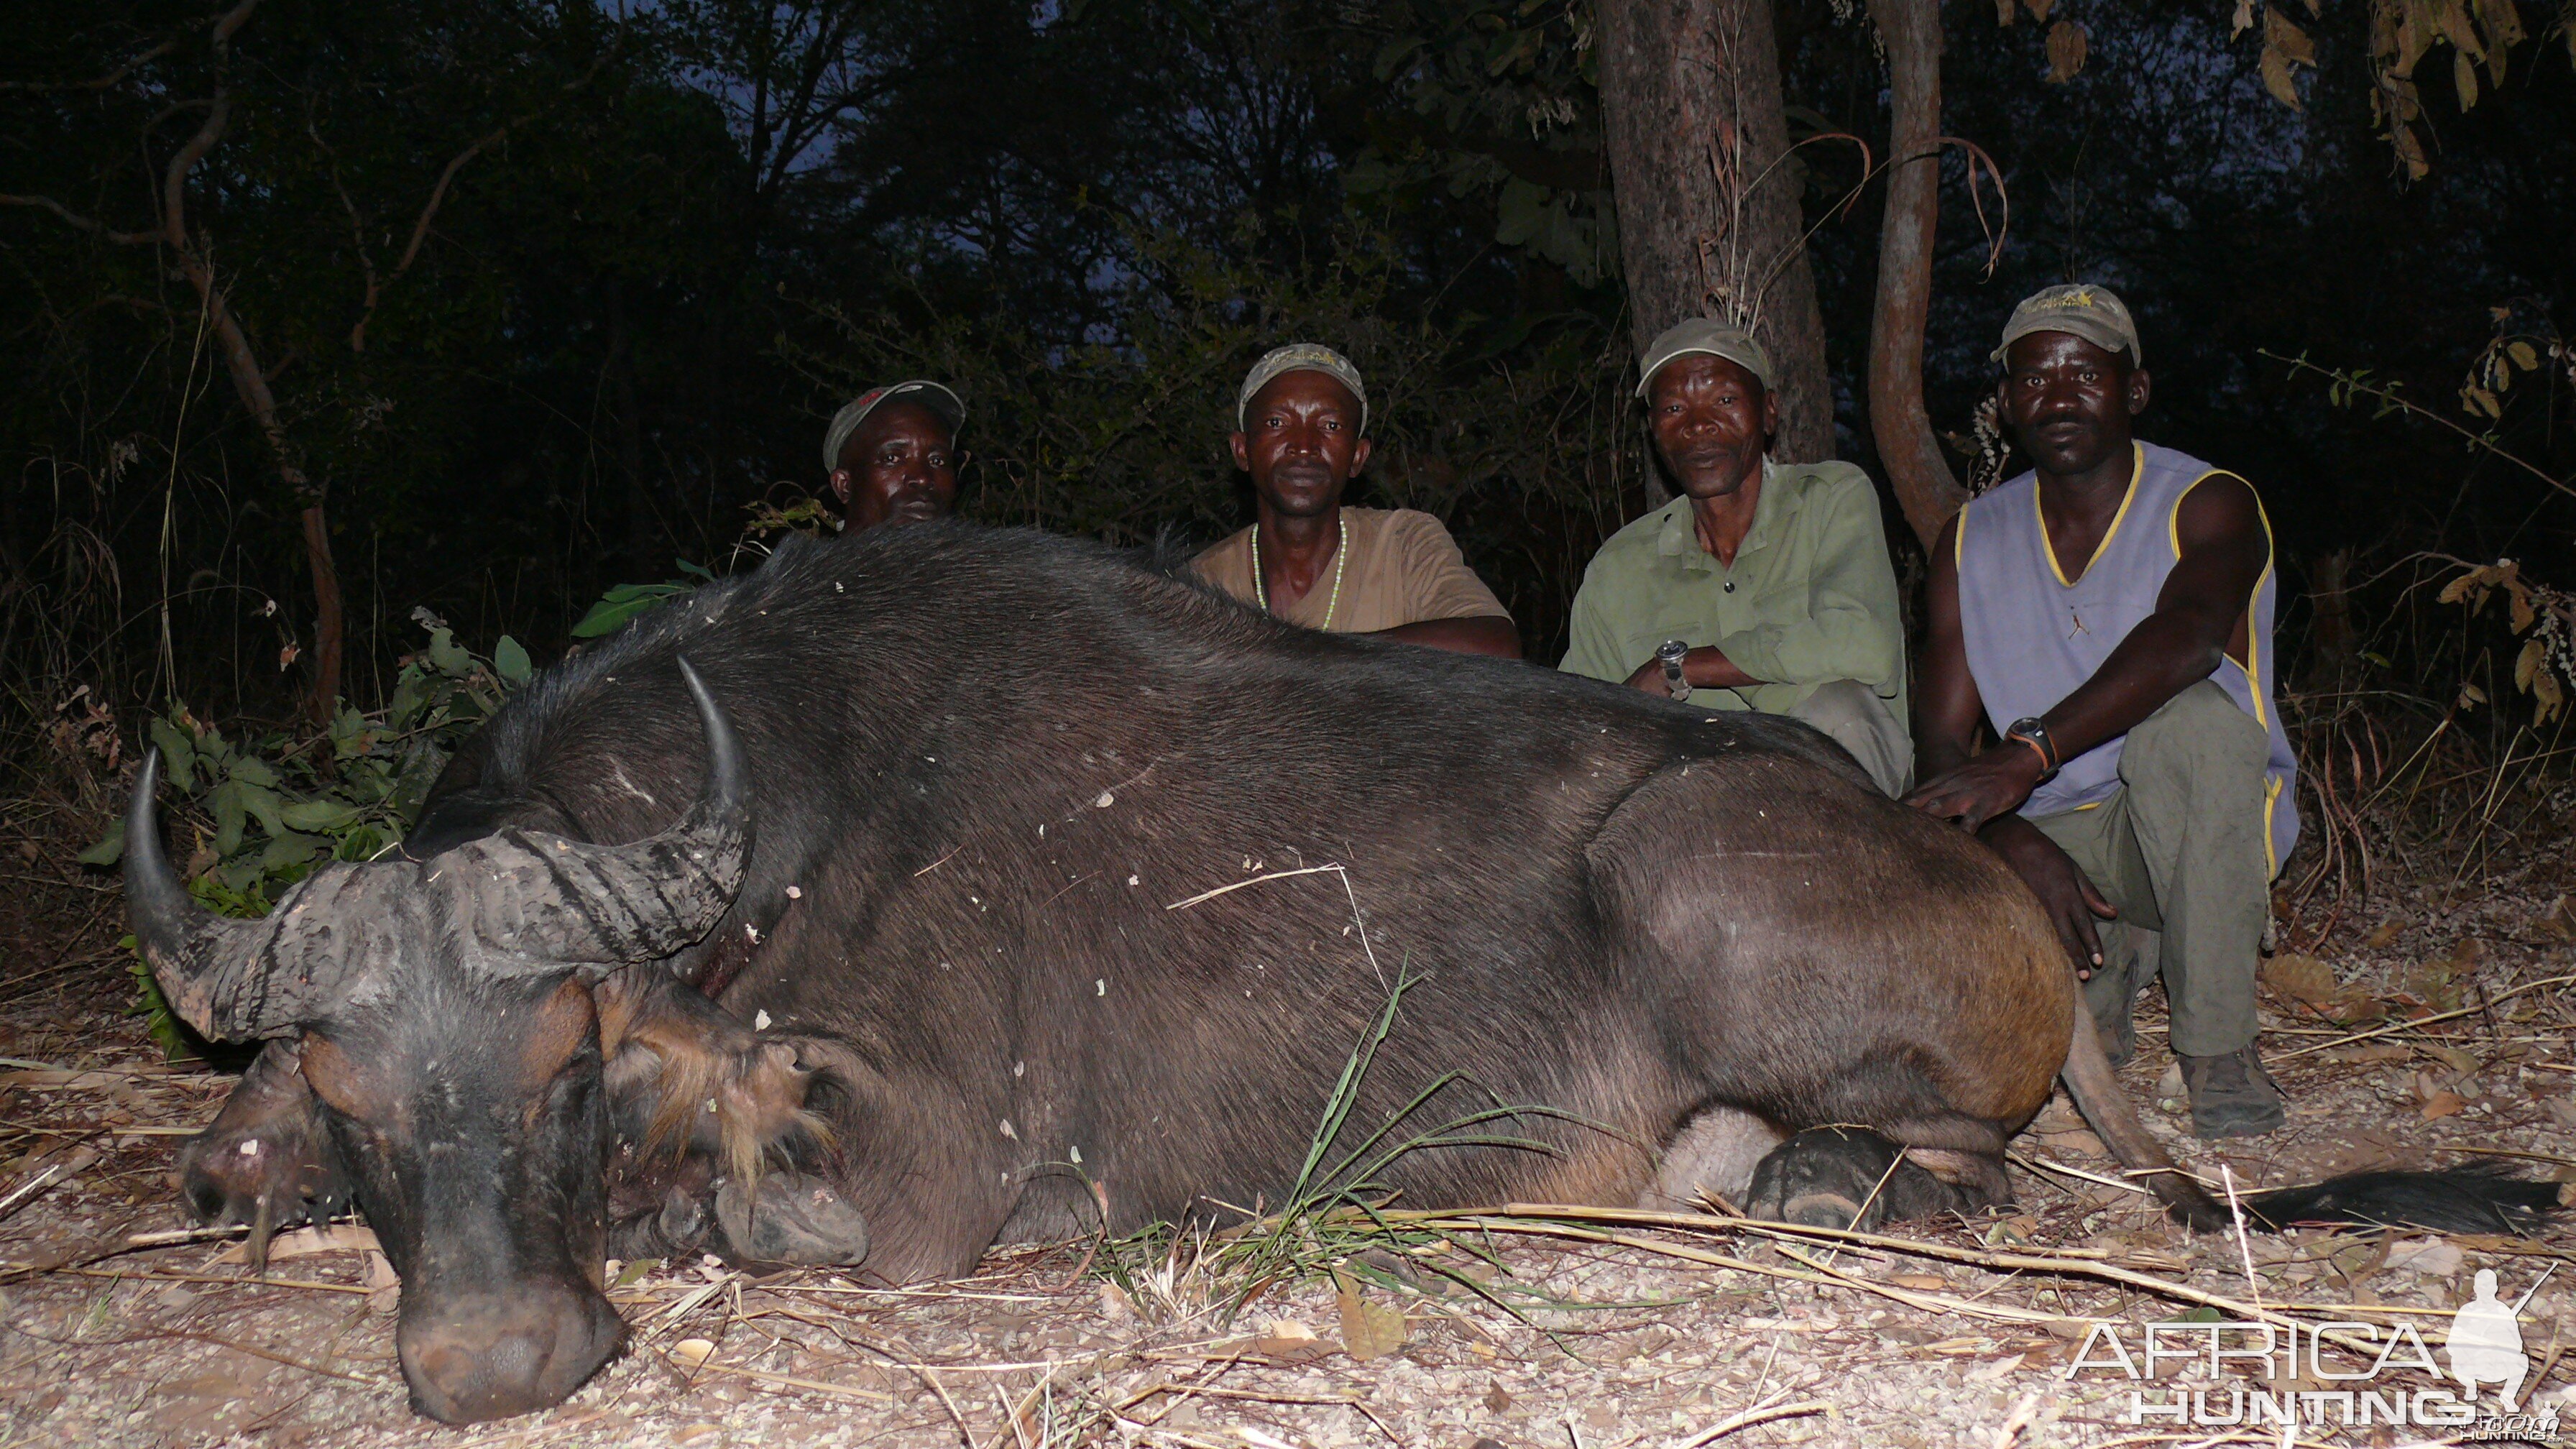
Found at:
(1689, 87)
(1920, 476)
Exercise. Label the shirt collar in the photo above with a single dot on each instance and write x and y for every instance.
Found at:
(1677, 536)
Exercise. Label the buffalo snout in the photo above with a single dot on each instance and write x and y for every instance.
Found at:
(492, 1355)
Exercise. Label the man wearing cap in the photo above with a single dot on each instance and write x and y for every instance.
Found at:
(2109, 616)
(1764, 586)
(892, 454)
(1301, 417)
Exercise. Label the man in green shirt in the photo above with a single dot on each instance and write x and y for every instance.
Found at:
(1772, 578)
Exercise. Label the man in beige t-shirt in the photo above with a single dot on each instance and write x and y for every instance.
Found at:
(1311, 561)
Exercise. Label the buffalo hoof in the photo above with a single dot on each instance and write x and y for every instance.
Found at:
(791, 1218)
(1842, 1178)
(678, 1228)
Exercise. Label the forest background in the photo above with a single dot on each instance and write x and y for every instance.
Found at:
(332, 325)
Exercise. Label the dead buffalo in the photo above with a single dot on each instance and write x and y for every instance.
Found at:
(1030, 883)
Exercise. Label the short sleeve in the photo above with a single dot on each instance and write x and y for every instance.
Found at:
(1227, 566)
(1434, 580)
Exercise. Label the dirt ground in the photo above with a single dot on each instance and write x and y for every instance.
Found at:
(111, 1335)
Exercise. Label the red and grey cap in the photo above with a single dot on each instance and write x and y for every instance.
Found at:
(943, 404)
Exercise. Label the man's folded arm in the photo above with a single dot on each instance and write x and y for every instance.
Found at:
(1852, 629)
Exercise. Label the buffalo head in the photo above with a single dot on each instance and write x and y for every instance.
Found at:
(448, 1033)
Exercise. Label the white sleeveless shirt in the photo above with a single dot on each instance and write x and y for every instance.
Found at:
(2033, 636)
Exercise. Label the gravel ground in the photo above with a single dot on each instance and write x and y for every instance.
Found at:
(1576, 1345)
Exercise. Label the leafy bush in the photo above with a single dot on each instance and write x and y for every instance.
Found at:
(624, 601)
(262, 812)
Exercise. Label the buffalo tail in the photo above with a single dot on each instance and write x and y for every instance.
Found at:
(2456, 1200)
(2459, 1200)
(2090, 1081)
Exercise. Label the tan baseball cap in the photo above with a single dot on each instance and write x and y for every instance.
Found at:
(2079, 309)
(1709, 337)
(943, 403)
(1300, 357)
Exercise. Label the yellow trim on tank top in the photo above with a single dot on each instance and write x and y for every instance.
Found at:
(2253, 661)
(2271, 800)
(2137, 470)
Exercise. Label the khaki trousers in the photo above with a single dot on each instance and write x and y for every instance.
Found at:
(1852, 715)
(2179, 853)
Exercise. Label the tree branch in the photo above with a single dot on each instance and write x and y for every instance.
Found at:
(47, 203)
(1921, 479)
(103, 82)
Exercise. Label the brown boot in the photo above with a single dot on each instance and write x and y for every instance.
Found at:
(2232, 1096)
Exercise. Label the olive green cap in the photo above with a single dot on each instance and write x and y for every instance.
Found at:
(1708, 337)
(1300, 357)
(2078, 309)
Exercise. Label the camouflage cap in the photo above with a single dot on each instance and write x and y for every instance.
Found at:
(2079, 309)
(1709, 337)
(1300, 357)
(942, 402)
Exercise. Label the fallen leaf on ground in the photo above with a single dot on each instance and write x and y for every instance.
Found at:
(2429, 1256)
(2303, 977)
(1288, 1338)
(692, 1353)
(1919, 1282)
(2443, 1104)
(1370, 1330)
(2559, 920)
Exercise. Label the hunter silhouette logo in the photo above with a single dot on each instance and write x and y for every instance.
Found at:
(2486, 1341)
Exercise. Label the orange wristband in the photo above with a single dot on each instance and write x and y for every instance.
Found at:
(2036, 748)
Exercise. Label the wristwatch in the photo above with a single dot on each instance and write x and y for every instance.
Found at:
(2032, 731)
(1670, 654)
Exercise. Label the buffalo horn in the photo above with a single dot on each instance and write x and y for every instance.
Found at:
(216, 973)
(547, 901)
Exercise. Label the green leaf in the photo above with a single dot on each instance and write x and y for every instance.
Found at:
(226, 802)
(510, 660)
(622, 603)
(110, 847)
(252, 770)
(290, 850)
(320, 814)
(159, 1021)
(263, 806)
(448, 655)
(1520, 211)
(178, 755)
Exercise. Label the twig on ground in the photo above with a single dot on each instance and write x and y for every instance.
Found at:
(1760, 1414)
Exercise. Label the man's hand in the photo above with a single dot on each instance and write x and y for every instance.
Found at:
(1706, 667)
(1650, 678)
(2065, 893)
(1987, 787)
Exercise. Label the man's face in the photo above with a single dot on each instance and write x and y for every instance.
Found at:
(2069, 401)
(899, 467)
(1711, 418)
(1301, 443)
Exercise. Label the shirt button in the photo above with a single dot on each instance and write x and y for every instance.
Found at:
(1729, 586)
